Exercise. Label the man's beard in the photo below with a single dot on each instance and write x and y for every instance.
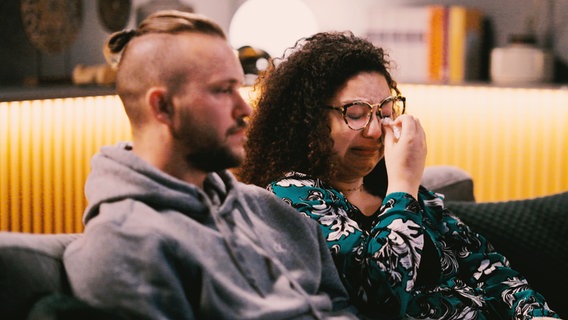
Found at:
(209, 153)
(213, 159)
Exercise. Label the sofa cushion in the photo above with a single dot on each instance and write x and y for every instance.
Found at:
(532, 234)
(62, 306)
(30, 267)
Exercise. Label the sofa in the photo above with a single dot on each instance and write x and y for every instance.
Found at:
(531, 233)
(30, 268)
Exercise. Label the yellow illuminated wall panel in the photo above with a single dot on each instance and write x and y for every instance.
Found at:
(514, 142)
(45, 149)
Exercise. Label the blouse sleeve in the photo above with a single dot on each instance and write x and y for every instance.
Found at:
(379, 267)
(480, 266)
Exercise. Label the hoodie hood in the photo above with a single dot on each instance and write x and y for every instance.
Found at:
(117, 173)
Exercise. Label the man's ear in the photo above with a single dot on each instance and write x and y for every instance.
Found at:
(160, 104)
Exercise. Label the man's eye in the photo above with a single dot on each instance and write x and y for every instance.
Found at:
(224, 90)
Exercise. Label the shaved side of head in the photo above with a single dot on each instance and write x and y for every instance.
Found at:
(160, 69)
(143, 57)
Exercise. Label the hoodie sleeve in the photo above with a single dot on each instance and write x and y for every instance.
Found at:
(308, 244)
(105, 264)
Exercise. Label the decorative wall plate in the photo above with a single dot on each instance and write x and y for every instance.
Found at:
(51, 25)
(114, 14)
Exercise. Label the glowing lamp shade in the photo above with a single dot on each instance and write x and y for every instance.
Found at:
(271, 25)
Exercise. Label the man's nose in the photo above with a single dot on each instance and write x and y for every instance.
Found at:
(242, 107)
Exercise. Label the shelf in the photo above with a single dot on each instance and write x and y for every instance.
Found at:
(480, 84)
(21, 93)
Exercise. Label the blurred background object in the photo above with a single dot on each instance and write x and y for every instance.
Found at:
(271, 25)
(152, 6)
(100, 74)
(521, 62)
(51, 25)
(254, 61)
(114, 14)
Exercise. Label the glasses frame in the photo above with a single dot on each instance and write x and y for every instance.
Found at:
(343, 109)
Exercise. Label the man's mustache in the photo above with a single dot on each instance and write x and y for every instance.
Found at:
(242, 124)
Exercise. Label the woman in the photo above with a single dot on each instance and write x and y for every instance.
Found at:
(326, 118)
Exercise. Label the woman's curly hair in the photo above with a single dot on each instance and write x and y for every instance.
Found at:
(289, 129)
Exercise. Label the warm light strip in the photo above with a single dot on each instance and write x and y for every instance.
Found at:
(45, 148)
(514, 141)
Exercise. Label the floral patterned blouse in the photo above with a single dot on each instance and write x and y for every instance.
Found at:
(414, 260)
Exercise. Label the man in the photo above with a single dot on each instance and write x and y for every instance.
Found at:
(170, 233)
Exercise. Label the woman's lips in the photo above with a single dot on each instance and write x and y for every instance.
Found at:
(365, 151)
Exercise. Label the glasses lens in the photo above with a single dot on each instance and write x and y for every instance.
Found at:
(392, 108)
(357, 115)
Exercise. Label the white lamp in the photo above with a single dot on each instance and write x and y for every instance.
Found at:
(271, 25)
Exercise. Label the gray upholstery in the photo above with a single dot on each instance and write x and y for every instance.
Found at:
(30, 267)
(453, 182)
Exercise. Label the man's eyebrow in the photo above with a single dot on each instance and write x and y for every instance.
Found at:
(229, 81)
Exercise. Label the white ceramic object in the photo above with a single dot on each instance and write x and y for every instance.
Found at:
(521, 63)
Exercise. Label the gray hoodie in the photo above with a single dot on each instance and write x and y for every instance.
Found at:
(155, 247)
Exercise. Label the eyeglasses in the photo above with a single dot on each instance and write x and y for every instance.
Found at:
(357, 114)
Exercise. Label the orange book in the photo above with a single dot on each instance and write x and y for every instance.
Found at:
(437, 43)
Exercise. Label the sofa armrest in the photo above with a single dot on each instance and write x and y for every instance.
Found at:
(453, 182)
(30, 267)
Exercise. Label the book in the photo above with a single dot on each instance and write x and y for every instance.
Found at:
(437, 44)
(430, 43)
(465, 34)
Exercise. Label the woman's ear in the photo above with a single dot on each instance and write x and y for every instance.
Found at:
(160, 105)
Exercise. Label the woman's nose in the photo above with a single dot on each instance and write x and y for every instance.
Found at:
(374, 128)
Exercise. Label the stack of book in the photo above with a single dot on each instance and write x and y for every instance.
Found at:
(431, 43)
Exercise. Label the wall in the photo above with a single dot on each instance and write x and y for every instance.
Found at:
(20, 60)
(510, 151)
(504, 17)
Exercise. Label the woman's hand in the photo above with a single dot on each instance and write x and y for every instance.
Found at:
(405, 157)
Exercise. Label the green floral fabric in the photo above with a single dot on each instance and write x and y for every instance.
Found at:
(461, 276)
